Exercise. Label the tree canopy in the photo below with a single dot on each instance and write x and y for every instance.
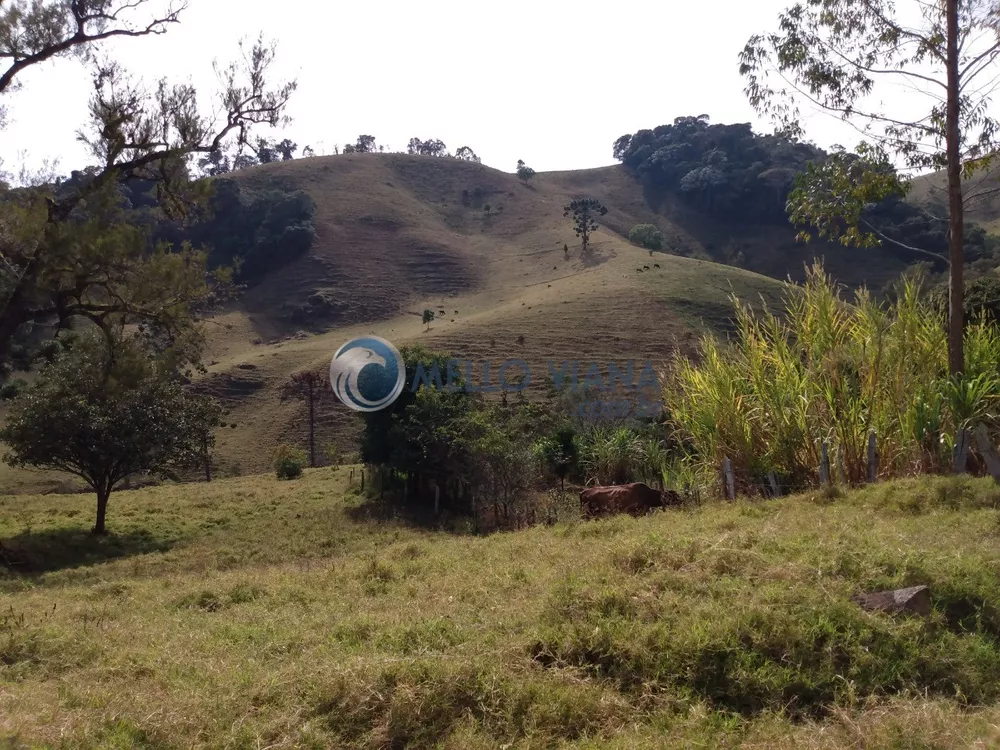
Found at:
(724, 170)
(104, 413)
(69, 251)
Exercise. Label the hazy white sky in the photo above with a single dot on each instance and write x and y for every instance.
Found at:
(553, 82)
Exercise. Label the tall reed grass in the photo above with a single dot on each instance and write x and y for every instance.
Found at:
(830, 371)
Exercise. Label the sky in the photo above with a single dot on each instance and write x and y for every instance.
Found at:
(552, 82)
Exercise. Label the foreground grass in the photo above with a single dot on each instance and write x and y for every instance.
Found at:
(253, 613)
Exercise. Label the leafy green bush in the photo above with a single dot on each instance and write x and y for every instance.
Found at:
(826, 370)
(647, 236)
(289, 462)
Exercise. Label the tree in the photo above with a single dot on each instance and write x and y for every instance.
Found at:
(365, 144)
(428, 317)
(432, 147)
(560, 453)
(311, 387)
(647, 235)
(832, 53)
(621, 147)
(215, 164)
(524, 173)
(105, 414)
(65, 252)
(286, 149)
(206, 414)
(583, 211)
(308, 152)
(350, 148)
(266, 151)
(467, 154)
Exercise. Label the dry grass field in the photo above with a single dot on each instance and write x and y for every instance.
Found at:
(252, 613)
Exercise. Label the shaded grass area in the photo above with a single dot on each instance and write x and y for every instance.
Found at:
(264, 613)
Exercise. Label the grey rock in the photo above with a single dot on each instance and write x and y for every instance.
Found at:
(915, 599)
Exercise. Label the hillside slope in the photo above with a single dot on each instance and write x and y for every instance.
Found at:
(397, 234)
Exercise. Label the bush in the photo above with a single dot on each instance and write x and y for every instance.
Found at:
(647, 236)
(289, 462)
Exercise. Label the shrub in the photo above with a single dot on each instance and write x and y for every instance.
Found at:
(289, 462)
(647, 236)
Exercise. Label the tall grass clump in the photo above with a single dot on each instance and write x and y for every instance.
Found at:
(830, 371)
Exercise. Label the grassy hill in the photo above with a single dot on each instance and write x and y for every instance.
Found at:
(397, 234)
(254, 613)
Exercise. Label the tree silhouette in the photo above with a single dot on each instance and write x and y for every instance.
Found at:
(467, 154)
(287, 149)
(428, 317)
(524, 172)
(583, 211)
(365, 144)
(309, 386)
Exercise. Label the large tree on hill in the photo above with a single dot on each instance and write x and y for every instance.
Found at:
(465, 153)
(833, 54)
(584, 212)
(430, 147)
(365, 144)
(524, 173)
(104, 414)
(67, 251)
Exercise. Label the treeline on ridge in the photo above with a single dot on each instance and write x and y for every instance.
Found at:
(255, 230)
(733, 174)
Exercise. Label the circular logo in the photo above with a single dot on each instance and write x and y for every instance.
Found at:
(367, 373)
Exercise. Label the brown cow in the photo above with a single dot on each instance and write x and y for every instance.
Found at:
(636, 499)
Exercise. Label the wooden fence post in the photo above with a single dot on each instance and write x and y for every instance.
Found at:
(772, 479)
(872, 458)
(961, 450)
(824, 464)
(988, 451)
(727, 470)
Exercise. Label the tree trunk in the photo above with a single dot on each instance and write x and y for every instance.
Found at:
(312, 428)
(956, 288)
(207, 457)
(103, 493)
